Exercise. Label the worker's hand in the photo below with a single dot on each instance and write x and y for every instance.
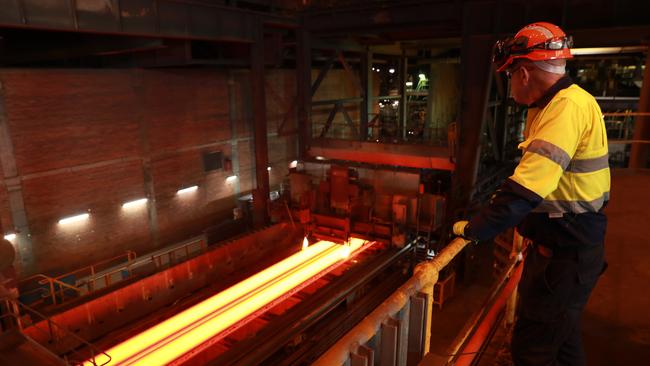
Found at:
(459, 227)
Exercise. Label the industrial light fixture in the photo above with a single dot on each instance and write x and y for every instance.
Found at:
(293, 164)
(10, 236)
(134, 203)
(187, 190)
(231, 178)
(378, 70)
(409, 84)
(75, 218)
(268, 168)
(212, 318)
(391, 70)
(320, 158)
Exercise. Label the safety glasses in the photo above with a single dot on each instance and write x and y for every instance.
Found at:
(507, 47)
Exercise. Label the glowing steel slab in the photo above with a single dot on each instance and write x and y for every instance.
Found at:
(176, 336)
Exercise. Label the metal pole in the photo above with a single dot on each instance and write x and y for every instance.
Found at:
(303, 89)
(261, 193)
(640, 152)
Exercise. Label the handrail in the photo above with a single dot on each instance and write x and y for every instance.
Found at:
(157, 258)
(90, 275)
(51, 281)
(14, 307)
(424, 277)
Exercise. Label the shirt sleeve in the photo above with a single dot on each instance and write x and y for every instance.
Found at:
(548, 150)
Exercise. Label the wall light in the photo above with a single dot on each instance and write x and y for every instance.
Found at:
(268, 168)
(187, 190)
(134, 203)
(320, 158)
(293, 164)
(76, 218)
(392, 71)
(10, 236)
(409, 83)
(231, 178)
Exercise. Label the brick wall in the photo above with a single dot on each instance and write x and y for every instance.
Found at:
(86, 141)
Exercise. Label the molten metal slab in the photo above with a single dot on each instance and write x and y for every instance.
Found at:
(212, 318)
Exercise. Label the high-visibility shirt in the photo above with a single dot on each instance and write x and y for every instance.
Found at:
(560, 186)
(565, 157)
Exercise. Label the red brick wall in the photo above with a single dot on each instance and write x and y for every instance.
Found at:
(84, 139)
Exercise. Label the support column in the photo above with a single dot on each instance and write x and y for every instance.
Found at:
(303, 89)
(261, 192)
(403, 100)
(23, 240)
(641, 151)
(475, 80)
(365, 75)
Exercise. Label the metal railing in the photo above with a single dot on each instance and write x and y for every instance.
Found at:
(412, 300)
(18, 314)
(85, 280)
(171, 256)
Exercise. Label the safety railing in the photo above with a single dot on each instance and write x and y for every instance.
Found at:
(40, 290)
(183, 252)
(410, 304)
(18, 315)
(43, 289)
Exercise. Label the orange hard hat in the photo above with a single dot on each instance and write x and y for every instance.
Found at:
(536, 42)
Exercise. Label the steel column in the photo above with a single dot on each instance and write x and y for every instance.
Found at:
(367, 103)
(403, 78)
(640, 151)
(303, 89)
(261, 192)
(13, 185)
(475, 79)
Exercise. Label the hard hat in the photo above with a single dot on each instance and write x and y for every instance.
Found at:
(536, 42)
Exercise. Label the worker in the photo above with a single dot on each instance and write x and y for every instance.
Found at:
(555, 197)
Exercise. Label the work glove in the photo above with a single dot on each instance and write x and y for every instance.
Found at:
(459, 227)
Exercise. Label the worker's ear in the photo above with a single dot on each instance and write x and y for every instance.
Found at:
(525, 76)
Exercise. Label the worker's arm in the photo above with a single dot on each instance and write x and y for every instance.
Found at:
(548, 152)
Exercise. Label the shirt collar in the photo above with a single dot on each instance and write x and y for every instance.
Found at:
(562, 83)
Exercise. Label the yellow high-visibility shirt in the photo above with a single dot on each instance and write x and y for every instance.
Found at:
(565, 158)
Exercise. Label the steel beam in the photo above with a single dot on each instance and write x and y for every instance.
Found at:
(150, 18)
(640, 154)
(475, 79)
(261, 192)
(303, 89)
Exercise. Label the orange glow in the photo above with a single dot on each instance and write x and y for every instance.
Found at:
(174, 337)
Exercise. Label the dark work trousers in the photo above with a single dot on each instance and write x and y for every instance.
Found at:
(552, 294)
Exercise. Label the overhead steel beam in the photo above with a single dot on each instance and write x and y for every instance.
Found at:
(149, 18)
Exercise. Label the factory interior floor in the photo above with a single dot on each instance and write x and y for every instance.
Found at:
(616, 324)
